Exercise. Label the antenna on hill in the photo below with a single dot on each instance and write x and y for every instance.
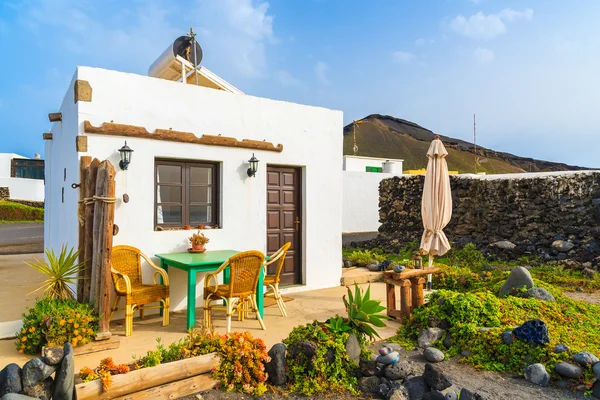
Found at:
(475, 142)
(355, 147)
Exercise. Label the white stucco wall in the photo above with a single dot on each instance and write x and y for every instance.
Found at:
(360, 163)
(360, 205)
(312, 140)
(20, 188)
(5, 160)
(24, 189)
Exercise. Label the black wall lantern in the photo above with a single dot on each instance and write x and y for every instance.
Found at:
(125, 152)
(253, 166)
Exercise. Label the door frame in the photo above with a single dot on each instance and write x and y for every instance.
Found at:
(302, 213)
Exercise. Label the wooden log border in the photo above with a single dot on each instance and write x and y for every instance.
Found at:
(110, 128)
(178, 377)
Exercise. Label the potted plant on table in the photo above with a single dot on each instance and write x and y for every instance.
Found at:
(198, 240)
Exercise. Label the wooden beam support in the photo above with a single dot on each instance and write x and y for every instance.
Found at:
(91, 171)
(109, 128)
(55, 117)
(405, 298)
(83, 91)
(47, 136)
(81, 143)
(104, 217)
(84, 162)
(145, 378)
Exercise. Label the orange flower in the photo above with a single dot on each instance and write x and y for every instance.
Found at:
(32, 329)
(24, 338)
(71, 320)
(75, 332)
(62, 322)
(74, 342)
(76, 325)
(77, 315)
(82, 330)
(24, 330)
(20, 351)
(79, 337)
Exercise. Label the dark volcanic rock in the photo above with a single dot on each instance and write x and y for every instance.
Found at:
(466, 394)
(436, 378)
(568, 370)
(533, 331)
(276, 367)
(64, 384)
(428, 336)
(52, 355)
(10, 379)
(370, 368)
(42, 390)
(35, 371)
(585, 358)
(415, 387)
(539, 293)
(434, 395)
(398, 371)
(369, 384)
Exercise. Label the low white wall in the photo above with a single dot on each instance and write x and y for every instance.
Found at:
(312, 140)
(360, 205)
(24, 189)
(360, 163)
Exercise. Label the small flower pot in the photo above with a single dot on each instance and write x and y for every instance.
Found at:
(198, 246)
(187, 227)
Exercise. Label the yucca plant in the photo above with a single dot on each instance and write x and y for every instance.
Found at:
(364, 312)
(61, 271)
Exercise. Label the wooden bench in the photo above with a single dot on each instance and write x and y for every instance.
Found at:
(411, 290)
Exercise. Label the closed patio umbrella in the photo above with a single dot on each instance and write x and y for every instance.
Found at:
(436, 205)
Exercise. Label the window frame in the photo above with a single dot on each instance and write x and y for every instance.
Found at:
(186, 166)
(29, 165)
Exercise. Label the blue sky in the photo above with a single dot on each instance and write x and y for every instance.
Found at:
(527, 68)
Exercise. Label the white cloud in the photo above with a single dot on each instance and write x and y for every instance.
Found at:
(286, 79)
(481, 26)
(320, 70)
(483, 56)
(403, 57)
(420, 42)
(240, 32)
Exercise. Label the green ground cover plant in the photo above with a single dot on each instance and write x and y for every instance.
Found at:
(11, 211)
(570, 322)
(54, 322)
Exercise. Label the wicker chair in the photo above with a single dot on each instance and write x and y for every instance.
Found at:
(272, 281)
(240, 293)
(127, 280)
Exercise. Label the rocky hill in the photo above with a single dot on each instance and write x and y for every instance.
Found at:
(388, 137)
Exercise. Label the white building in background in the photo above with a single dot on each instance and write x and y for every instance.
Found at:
(361, 178)
(191, 148)
(23, 176)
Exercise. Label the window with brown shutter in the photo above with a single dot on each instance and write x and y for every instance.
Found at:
(186, 193)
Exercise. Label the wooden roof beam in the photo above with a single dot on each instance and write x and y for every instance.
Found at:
(55, 117)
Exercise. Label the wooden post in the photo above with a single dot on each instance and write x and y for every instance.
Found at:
(418, 298)
(391, 299)
(88, 241)
(104, 215)
(405, 298)
(84, 161)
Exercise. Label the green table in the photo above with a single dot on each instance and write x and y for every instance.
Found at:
(208, 261)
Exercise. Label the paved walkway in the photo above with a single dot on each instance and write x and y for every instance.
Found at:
(18, 281)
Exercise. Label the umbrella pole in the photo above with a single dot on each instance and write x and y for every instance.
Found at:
(429, 277)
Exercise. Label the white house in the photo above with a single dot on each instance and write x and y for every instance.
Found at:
(361, 178)
(190, 179)
(23, 176)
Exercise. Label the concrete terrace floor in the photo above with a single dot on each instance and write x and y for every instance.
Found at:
(305, 307)
(18, 281)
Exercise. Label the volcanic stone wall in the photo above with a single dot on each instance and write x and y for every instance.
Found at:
(4, 192)
(532, 211)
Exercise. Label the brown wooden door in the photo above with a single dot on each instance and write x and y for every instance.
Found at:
(284, 224)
